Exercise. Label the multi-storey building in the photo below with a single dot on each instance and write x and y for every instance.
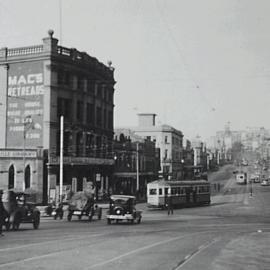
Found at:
(38, 84)
(168, 139)
(137, 162)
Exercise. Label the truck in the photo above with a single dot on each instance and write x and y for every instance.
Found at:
(83, 204)
(241, 178)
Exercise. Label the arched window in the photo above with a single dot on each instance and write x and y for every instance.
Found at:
(27, 176)
(11, 177)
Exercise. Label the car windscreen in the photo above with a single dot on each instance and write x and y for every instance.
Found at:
(120, 201)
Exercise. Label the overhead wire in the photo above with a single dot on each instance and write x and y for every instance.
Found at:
(178, 46)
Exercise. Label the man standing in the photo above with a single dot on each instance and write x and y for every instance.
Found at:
(170, 205)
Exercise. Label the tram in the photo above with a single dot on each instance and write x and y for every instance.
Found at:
(182, 193)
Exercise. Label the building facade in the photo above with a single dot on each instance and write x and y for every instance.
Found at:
(170, 142)
(137, 162)
(38, 84)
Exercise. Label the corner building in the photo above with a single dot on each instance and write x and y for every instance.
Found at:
(38, 84)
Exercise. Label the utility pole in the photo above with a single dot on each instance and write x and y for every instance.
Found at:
(61, 157)
(137, 168)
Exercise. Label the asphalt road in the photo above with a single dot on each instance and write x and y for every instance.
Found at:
(232, 233)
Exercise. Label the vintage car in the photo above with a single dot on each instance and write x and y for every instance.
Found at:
(83, 204)
(19, 209)
(122, 208)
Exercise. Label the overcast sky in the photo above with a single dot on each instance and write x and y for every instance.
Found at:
(196, 64)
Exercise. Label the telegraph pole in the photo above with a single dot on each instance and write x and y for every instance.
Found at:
(61, 157)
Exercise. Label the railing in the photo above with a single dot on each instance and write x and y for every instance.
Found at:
(24, 50)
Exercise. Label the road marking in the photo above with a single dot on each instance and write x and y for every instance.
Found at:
(193, 254)
(49, 242)
(139, 250)
(99, 264)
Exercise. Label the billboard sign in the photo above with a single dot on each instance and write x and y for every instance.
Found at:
(25, 104)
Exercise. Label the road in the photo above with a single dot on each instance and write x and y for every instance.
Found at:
(232, 233)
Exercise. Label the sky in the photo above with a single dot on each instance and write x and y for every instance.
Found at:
(197, 64)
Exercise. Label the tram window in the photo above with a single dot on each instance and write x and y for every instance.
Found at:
(166, 191)
(178, 190)
(173, 191)
(153, 191)
(160, 191)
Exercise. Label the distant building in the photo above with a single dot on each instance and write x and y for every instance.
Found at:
(38, 84)
(168, 139)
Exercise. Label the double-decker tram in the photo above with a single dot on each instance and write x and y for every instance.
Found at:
(181, 193)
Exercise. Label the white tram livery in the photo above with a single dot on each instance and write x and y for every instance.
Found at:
(182, 193)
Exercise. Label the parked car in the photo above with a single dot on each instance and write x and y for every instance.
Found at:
(122, 208)
(20, 209)
(265, 182)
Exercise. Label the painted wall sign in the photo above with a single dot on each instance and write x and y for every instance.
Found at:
(81, 160)
(17, 154)
(25, 104)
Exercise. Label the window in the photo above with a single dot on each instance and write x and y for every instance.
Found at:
(90, 114)
(160, 191)
(27, 176)
(153, 191)
(110, 119)
(79, 110)
(99, 116)
(166, 154)
(104, 118)
(11, 177)
(166, 139)
(64, 107)
(91, 87)
(166, 191)
(79, 144)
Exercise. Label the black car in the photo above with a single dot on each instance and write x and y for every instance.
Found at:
(122, 208)
(20, 210)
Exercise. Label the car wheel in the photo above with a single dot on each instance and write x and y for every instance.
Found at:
(36, 222)
(108, 221)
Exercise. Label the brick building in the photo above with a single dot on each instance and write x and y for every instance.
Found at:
(38, 84)
(137, 162)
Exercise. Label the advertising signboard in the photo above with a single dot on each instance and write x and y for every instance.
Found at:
(25, 104)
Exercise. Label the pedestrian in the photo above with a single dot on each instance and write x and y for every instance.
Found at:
(2, 214)
(170, 205)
